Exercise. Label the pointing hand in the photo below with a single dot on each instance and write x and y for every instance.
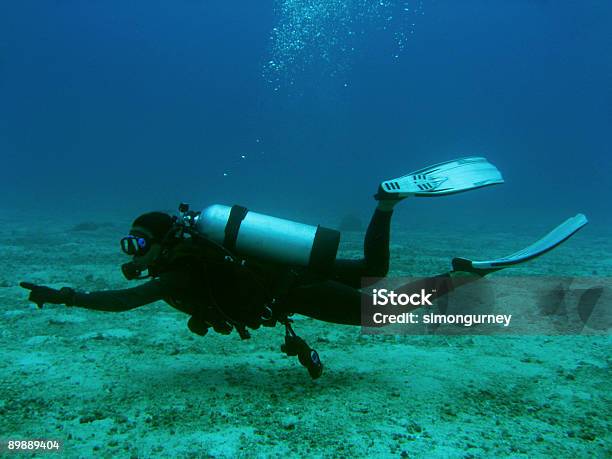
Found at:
(40, 294)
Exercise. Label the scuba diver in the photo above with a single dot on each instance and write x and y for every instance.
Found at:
(229, 268)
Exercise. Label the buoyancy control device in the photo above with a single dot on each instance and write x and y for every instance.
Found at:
(249, 234)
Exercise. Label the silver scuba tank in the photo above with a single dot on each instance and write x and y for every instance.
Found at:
(264, 237)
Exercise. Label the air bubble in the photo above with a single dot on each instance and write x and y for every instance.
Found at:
(323, 35)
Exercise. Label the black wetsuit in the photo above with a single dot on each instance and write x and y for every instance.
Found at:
(333, 298)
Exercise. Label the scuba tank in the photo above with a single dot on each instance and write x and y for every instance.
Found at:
(251, 234)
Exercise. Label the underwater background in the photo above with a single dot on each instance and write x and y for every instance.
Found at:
(123, 106)
(299, 109)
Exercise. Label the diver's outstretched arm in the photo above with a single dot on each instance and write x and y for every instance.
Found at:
(109, 300)
(119, 300)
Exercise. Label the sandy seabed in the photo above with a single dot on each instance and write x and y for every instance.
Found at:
(139, 384)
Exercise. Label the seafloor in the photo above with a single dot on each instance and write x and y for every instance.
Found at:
(139, 384)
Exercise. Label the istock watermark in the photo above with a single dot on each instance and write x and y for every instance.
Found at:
(384, 297)
(526, 305)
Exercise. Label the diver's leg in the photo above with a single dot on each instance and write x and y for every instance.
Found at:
(376, 253)
(328, 301)
(339, 303)
(376, 243)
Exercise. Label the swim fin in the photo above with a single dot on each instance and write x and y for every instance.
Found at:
(561, 233)
(449, 177)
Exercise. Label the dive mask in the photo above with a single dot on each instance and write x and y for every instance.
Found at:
(135, 245)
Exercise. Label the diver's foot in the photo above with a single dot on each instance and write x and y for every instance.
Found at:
(463, 265)
(442, 179)
(386, 201)
(544, 245)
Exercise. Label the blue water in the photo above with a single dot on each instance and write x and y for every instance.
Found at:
(137, 105)
(299, 108)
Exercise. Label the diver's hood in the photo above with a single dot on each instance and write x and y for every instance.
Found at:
(136, 268)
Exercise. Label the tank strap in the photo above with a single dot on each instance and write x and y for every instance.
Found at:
(324, 249)
(237, 214)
